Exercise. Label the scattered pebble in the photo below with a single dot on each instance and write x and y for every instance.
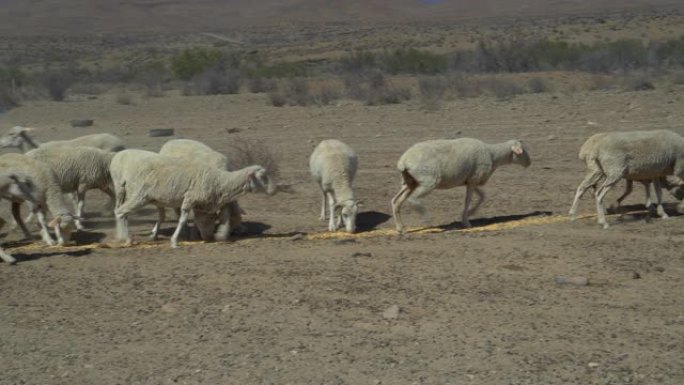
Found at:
(359, 254)
(593, 365)
(636, 275)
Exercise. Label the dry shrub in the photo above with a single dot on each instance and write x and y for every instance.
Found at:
(124, 99)
(638, 83)
(538, 85)
(297, 92)
(7, 99)
(277, 99)
(259, 84)
(327, 95)
(243, 152)
(602, 83)
(432, 91)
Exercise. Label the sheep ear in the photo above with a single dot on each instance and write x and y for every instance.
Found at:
(55, 222)
(359, 203)
(517, 149)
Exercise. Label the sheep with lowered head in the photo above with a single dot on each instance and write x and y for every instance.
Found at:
(634, 155)
(150, 178)
(333, 166)
(444, 164)
(15, 185)
(195, 151)
(48, 196)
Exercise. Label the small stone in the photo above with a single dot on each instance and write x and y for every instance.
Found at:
(169, 308)
(391, 312)
(297, 237)
(636, 275)
(551, 137)
(659, 269)
(593, 365)
(359, 254)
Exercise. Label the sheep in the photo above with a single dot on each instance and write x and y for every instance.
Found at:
(231, 215)
(48, 195)
(444, 164)
(18, 186)
(585, 154)
(142, 177)
(333, 166)
(635, 155)
(18, 137)
(78, 170)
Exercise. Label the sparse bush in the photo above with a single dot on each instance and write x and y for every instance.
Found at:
(354, 87)
(432, 91)
(277, 99)
(503, 89)
(195, 61)
(214, 82)
(639, 83)
(297, 92)
(260, 84)
(327, 95)
(379, 92)
(57, 83)
(152, 76)
(7, 99)
(602, 83)
(413, 61)
(242, 153)
(538, 85)
(124, 99)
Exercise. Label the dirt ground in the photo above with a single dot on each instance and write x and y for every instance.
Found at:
(473, 307)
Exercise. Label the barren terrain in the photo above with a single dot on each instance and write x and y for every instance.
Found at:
(478, 307)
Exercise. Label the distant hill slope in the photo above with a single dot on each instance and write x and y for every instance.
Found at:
(31, 17)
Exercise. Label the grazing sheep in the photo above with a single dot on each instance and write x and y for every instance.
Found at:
(48, 196)
(231, 214)
(142, 177)
(444, 164)
(333, 166)
(78, 170)
(18, 137)
(589, 147)
(635, 155)
(18, 186)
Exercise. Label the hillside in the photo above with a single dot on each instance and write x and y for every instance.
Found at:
(35, 17)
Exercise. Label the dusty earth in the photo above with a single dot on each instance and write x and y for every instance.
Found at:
(473, 307)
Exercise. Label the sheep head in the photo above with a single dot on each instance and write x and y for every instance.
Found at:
(347, 211)
(520, 154)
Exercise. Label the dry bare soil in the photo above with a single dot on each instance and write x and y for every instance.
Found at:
(473, 307)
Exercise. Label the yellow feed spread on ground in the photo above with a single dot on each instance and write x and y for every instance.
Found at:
(530, 221)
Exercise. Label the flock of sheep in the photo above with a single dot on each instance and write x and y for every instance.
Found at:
(190, 177)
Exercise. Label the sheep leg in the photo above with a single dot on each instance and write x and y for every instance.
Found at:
(647, 190)
(468, 198)
(121, 215)
(3, 254)
(45, 235)
(480, 198)
(160, 219)
(628, 190)
(16, 214)
(600, 209)
(397, 201)
(590, 180)
(659, 199)
(80, 202)
(332, 222)
(181, 223)
(323, 208)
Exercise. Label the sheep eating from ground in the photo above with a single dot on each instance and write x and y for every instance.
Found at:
(19, 137)
(633, 155)
(17, 186)
(142, 177)
(48, 196)
(444, 164)
(195, 151)
(333, 166)
(78, 170)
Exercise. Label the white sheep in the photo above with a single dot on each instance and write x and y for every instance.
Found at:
(142, 177)
(444, 164)
(634, 155)
(17, 186)
(19, 137)
(192, 150)
(48, 195)
(78, 170)
(333, 165)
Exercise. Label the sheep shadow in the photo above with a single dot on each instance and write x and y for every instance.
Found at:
(252, 229)
(638, 212)
(458, 225)
(370, 220)
(86, 237)
(21, 257)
